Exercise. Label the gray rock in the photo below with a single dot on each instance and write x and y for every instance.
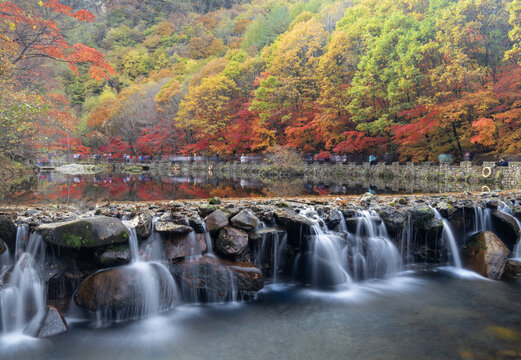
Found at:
(214, 279)
(206, 209)
(485, 254)
(507, 226)
(245, 220)
(90, 232)
(171, 228)
(182, 245)
(367, 197)
(270, 233)
(231, 241)
(143, 225)
(46, 322)
(7, 232)
(121, 288)
(512, 269)
(114, 256)
(216, 220)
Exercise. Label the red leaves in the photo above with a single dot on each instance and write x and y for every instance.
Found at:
(358, 142)
(40, 37)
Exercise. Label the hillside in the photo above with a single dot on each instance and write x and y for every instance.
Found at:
(412, 78)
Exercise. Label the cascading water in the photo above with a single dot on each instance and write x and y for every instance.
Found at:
(448, 237)
(374, 255)
(482, 219)
(154, 287)
(405, 248)
(23, 294)
(271, 250)
(327, 266)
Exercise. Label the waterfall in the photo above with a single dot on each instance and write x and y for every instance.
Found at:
(326, 265)
(374, 255)
(155, 288)
(482, 219)
(271, 251)
(448, 236)
(406, 241)
(516, 252)
(207, 238)
(23, 294)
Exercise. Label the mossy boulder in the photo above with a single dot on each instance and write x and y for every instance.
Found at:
(90, 232)
(215, 201)
(485, 254)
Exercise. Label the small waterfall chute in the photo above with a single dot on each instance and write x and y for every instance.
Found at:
(23, 294)
(449, 238)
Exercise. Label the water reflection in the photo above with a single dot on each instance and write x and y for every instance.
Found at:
(54, 187)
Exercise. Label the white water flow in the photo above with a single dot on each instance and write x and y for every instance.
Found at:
(155, 288)
(374, 255)
(207, 238)
(328, 268)
(516, 252)
(23, 294)
(406, 242)
(271, 250)
(482, 219)
(448, 237)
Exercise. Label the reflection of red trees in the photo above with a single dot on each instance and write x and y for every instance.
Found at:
(55, 188)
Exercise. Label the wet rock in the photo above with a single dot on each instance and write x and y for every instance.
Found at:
(90, 232)
(196, 223)
(352, 223)
(485, 254)
(47, 322)
(492, 204)
(143, 225)
(507, 227)
(512, 269)
(181, 245)
(171, 228)
(289, 218)
(393, 219)
(270, 233)
(215, 201)
(445, 209)
(245, 220)
(114, 256)
(216, 221)
(7, 232)
(231, 241)
(212, 279)
(264, 213)
(205, 210)
(3, 248)
(333, 218)
(122, 287)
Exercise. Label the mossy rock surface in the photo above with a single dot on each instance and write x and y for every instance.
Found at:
(85, 233)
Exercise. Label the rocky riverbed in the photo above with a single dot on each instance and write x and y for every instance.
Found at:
(225, 250)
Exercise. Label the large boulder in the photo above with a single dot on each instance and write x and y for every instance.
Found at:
(126, 288)
(245, 220)
(208, 278)
(89, 232)
(47, 322)
(485, 254)
(143, 225)
(269, 233)
(7, 232)
(216, 221)
(231, 241)
(512, 269)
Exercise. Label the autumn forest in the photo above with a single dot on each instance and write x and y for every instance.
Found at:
(413, 78)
